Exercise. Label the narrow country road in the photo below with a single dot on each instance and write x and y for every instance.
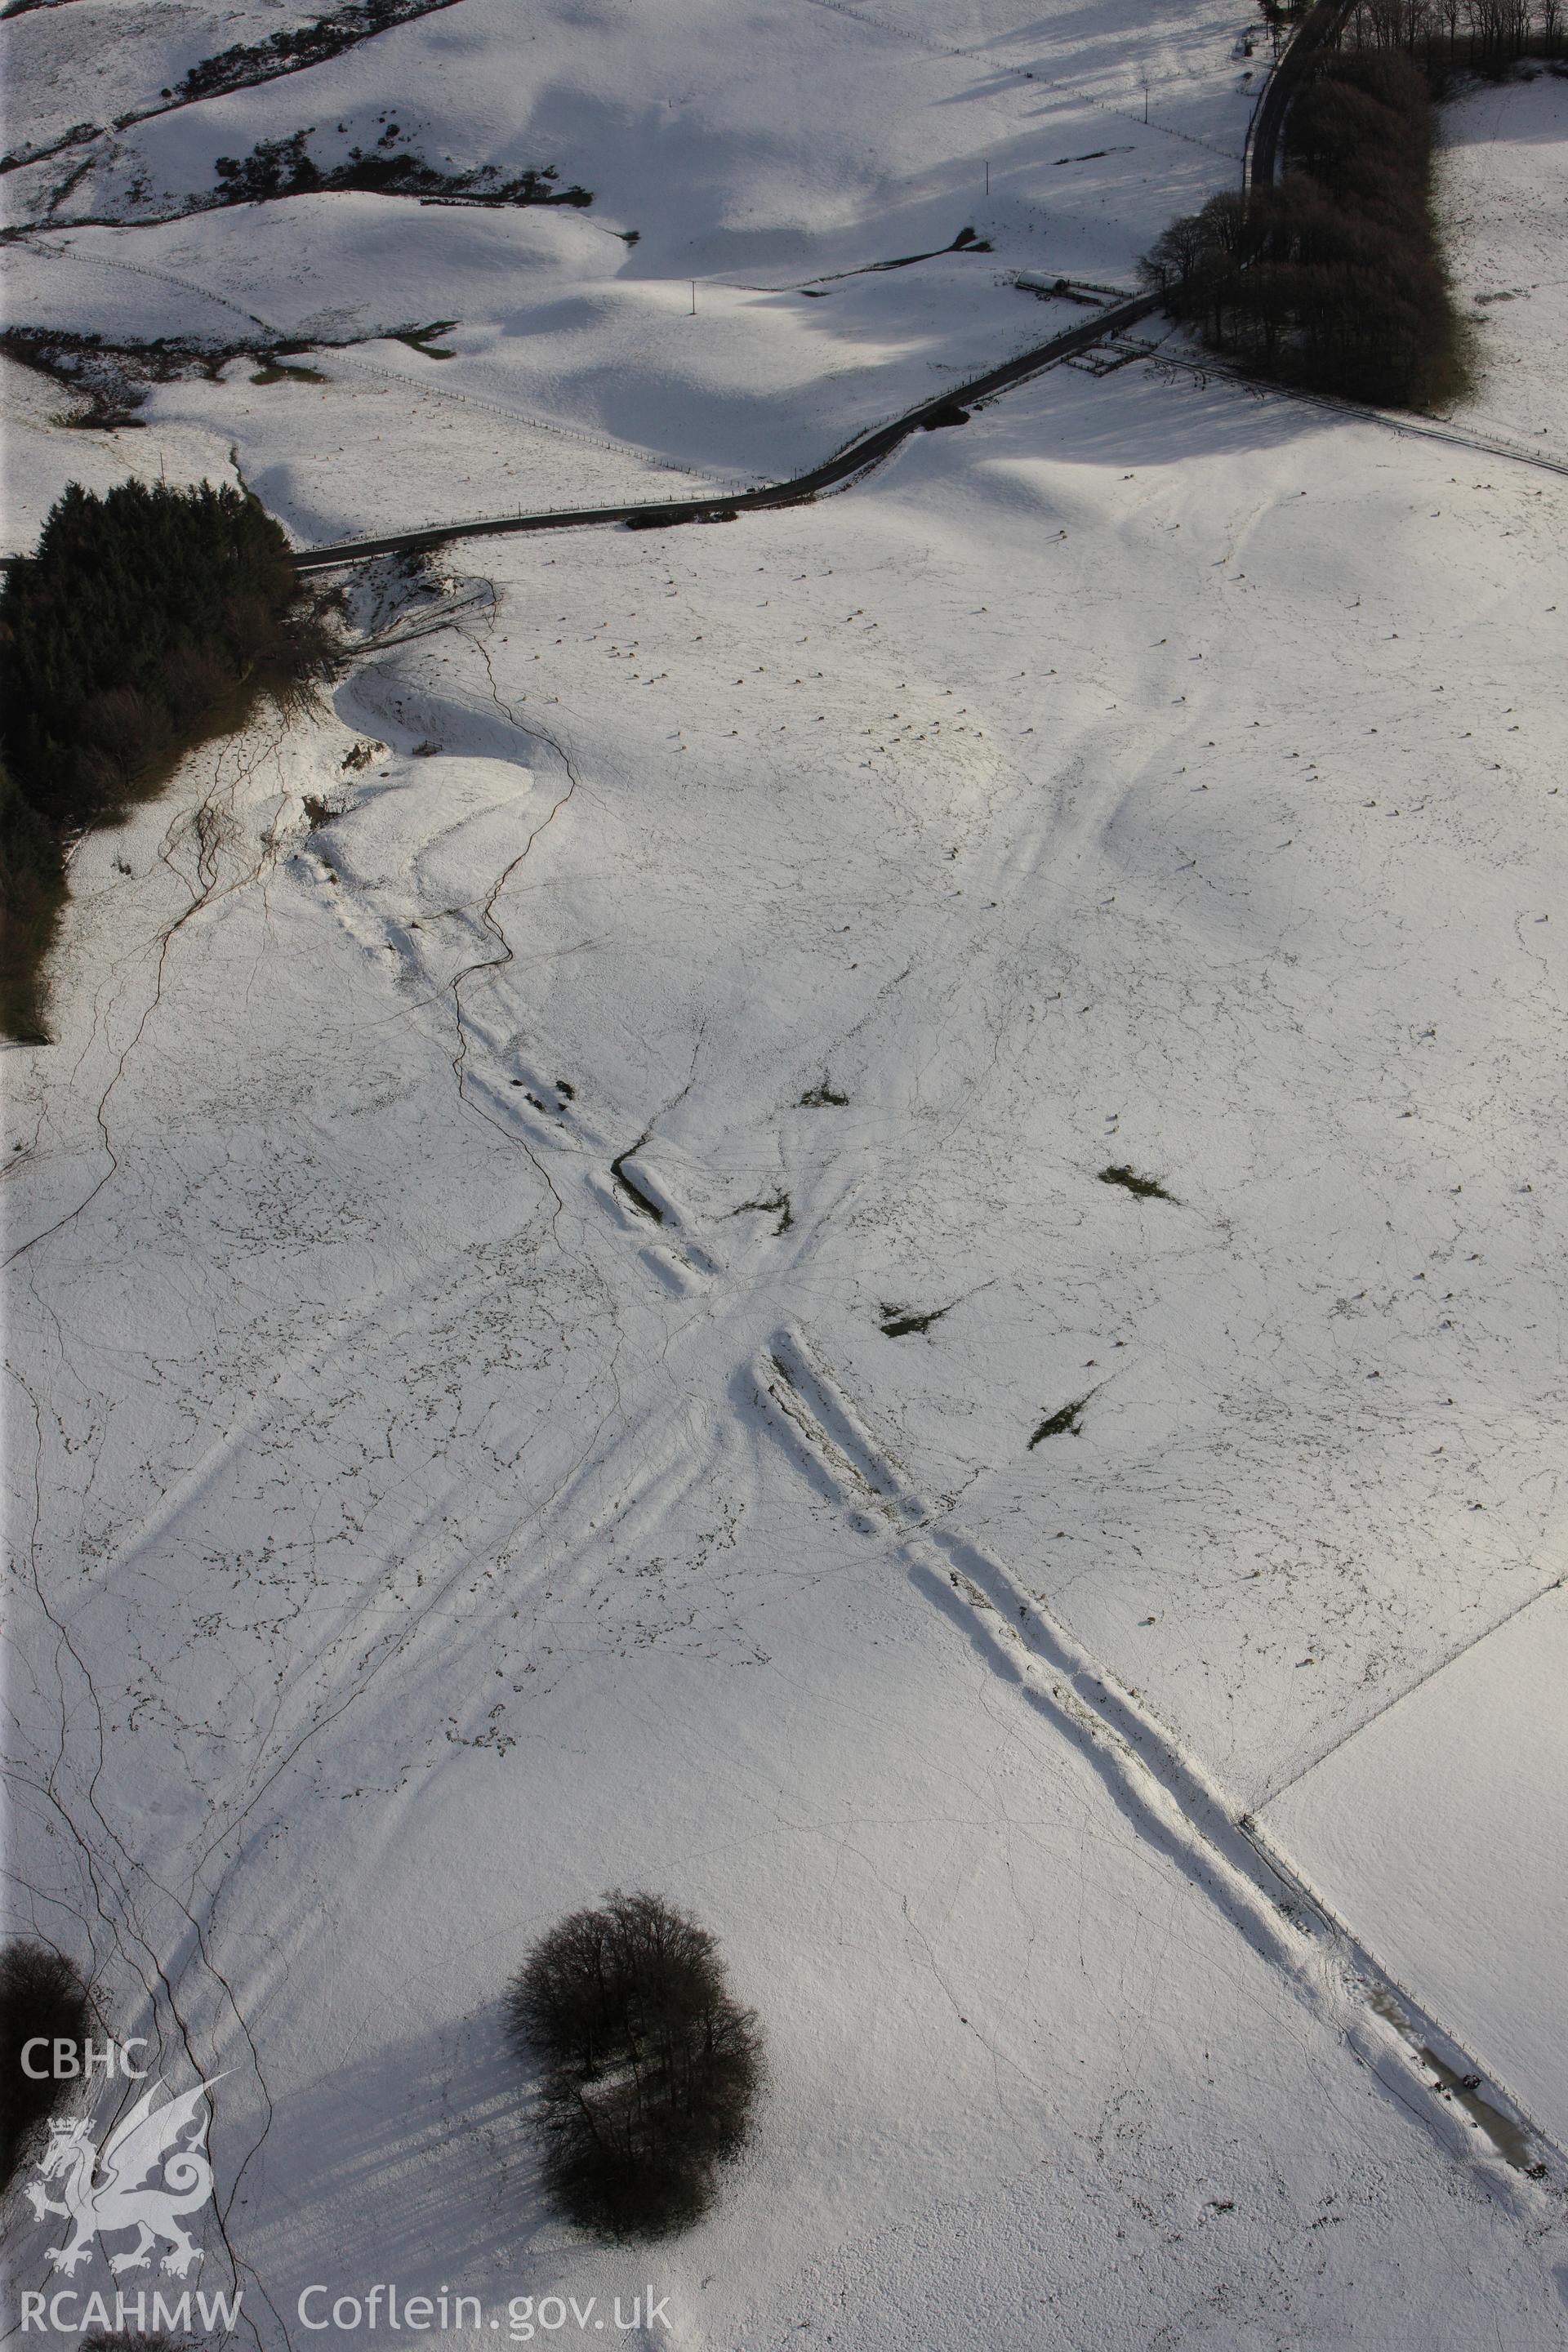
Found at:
(864, 451)
(1318, 30)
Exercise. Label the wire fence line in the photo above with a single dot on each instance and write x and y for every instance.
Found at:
(865, 449)
(349, 357)
(1015, 73)
(1408, 427)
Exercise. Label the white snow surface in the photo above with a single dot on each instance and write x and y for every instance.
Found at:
(1029, 132)
(79, 63)
(417, 1534)
(1503, 177)
(1425, 1829)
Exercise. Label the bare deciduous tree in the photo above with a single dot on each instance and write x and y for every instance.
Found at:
(650, 2068)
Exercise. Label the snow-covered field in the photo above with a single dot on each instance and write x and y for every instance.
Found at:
(1425, 1828)
(1031, 135)
(535, 1306)
(1504, 178)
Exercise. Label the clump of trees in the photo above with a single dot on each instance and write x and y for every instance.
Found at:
(111, 2340)
(1445, 35)
(148, 619)
(649, 2067)
(297, 45)
(1334, 279)
(1457, 36)
(285, 167)
(42, 1997)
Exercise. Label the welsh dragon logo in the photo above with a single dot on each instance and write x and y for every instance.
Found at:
(115, 2187)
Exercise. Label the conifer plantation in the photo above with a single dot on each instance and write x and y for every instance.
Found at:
(149, 619)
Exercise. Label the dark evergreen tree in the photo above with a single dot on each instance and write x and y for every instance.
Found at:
(147, 618)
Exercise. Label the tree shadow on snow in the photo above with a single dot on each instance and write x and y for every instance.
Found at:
(1145, 417)
(415, 2165)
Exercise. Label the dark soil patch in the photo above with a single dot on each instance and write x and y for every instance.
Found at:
(640, 1200)
(1142, 1188)
(899, 1322)
(1066, 1421)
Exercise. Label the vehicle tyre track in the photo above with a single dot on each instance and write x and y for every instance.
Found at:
(1168, 1798)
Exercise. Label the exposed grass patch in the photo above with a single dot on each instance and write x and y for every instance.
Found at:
(150, 620)
(84, 365)
(1142, 1188)
(1066, 1421)
(100, 419)
(418, 338)
(276, 372)
(650, 2067)
(899, 1322)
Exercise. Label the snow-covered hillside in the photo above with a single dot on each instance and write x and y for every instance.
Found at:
(1031, 136)
(569, 1326)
